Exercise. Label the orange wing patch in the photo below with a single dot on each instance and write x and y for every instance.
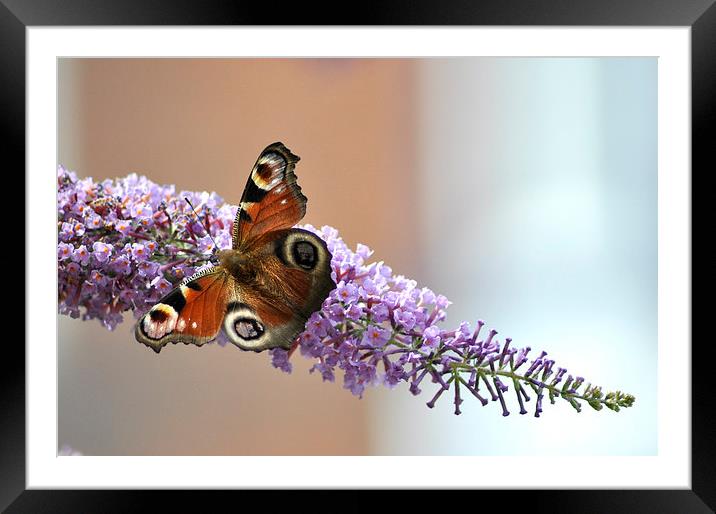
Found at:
(192, 313)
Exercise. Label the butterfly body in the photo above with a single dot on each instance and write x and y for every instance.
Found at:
(266, 286)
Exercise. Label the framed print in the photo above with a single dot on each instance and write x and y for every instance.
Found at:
(538, 177)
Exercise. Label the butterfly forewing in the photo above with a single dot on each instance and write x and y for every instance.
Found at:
(272, 199)
(192, 313)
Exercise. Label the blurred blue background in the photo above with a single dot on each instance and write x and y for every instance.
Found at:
(538, 204)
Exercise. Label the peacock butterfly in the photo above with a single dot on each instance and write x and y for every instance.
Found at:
(262, 290)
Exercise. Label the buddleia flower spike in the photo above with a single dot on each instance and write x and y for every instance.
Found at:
(124, 244)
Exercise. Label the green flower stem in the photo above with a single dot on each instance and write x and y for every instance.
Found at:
(570, 390)
(593, 396)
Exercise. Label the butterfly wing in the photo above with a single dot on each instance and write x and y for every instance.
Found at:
(293, 270)
(272, 199)
(191, 313)
(264, 289)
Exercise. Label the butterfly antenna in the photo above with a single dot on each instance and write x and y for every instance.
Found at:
(208, 233)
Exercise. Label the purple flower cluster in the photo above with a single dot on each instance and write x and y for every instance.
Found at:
(378, 327)
(123, 244)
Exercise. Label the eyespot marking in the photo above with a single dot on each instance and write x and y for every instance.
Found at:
(243, 327)
(305, 254)
(248, 328)
(264, 170)
(160, 321)
(158, 316)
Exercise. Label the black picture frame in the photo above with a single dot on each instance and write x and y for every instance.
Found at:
(700, 15)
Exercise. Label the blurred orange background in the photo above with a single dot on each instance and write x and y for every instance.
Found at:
(200, 124)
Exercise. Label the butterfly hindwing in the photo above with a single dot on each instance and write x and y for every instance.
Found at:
(191, 313)
(296, 278)
(272, 200)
